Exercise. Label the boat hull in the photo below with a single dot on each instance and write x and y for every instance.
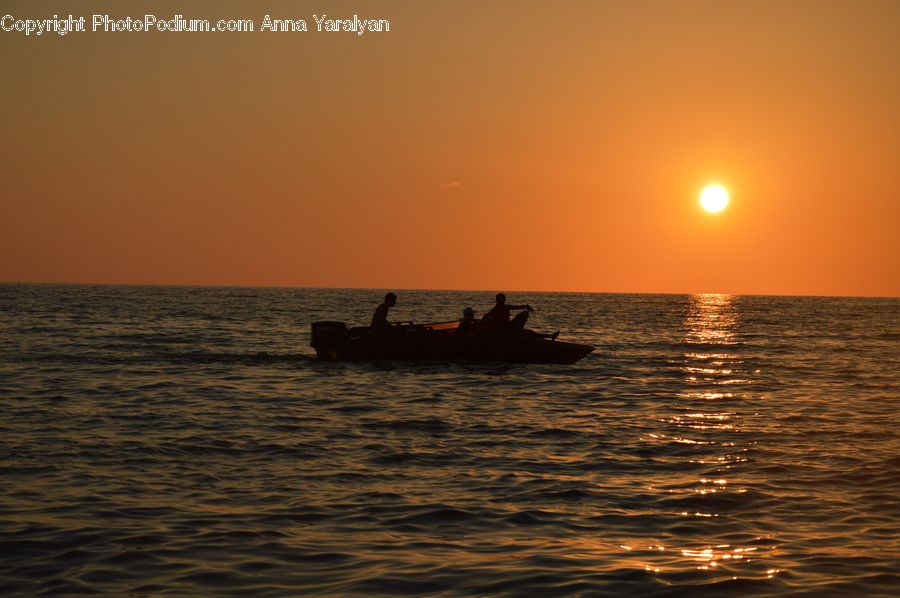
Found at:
(333, 341)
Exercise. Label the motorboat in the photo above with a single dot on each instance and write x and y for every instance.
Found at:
(335, 341)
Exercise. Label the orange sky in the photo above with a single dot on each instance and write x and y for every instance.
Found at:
(501, 146)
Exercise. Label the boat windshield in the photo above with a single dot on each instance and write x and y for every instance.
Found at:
(443, 325)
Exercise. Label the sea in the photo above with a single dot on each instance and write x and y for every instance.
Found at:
(185, 441)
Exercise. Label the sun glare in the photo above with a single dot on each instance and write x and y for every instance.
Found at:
(714, 198)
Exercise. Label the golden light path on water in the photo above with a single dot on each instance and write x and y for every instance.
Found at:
(712, 370)
(713, 319)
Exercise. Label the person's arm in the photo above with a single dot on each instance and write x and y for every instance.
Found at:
(528, 307)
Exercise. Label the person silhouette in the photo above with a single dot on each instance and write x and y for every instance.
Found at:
(499, 314)
(468, 321)
(379, 318)
(498, 317)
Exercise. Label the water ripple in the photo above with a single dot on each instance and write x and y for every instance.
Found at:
(162, 440)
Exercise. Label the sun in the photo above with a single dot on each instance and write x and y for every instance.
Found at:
(714, 198)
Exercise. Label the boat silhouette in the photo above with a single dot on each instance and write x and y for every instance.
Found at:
(335, 341)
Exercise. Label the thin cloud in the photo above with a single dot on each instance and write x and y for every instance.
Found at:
(452, 185)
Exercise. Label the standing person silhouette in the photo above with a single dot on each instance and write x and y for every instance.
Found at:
(379, 318)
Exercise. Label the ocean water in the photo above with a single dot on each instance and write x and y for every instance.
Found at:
(711, 445)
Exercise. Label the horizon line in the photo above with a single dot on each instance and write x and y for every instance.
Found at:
(420, 289)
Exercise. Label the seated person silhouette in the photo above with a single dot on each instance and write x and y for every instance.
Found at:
(379, 318)
(467, 324)
(498, 316)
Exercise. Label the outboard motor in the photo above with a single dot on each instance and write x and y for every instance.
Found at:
(328, 339)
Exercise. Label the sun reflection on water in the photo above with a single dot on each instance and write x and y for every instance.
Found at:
(711, 361)
(712, 555)
(711, 319)
(714, 373)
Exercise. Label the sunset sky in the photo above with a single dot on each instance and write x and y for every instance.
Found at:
(501, 146)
